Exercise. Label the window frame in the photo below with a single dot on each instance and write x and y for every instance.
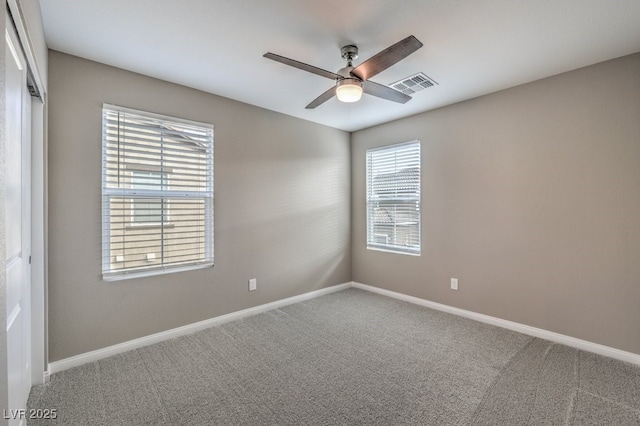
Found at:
(373, 235)
(165, 194)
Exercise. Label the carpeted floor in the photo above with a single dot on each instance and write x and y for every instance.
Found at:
(350, 357)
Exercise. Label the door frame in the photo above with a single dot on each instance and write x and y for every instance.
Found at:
(39, 343)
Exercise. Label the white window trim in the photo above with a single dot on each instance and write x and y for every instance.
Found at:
(370, 243)
(107, 193)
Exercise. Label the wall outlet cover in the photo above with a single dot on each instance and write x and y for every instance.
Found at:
(454, 284)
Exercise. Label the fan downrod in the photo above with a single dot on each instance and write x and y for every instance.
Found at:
(349, 53)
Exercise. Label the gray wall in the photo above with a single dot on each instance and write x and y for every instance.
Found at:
(282, 210)
(531, 198)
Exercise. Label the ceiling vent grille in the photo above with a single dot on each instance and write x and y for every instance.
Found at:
(413, 84)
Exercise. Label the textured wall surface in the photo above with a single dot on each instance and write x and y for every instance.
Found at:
(282, 210)
(531, 198)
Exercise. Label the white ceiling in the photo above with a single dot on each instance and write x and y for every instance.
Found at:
(471, 47)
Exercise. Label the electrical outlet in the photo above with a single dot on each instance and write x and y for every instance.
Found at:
(252, 284)
(454, 284)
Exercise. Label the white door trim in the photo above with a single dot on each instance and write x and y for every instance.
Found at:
(39, 359)
(25, 41)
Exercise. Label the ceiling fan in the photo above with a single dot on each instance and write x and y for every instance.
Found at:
(352, 81)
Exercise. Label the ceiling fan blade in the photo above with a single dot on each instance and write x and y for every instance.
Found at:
(322, 98)
(384, 92)
(386, 58)
(302, 66)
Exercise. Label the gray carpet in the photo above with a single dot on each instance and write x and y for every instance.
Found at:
(348, 358)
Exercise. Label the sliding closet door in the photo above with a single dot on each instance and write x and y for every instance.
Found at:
(18, 226)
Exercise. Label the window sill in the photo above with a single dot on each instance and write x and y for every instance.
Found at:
(414, 252)
(119, 276)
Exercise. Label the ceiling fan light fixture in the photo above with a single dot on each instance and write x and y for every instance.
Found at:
(351, 81)
(349, 90)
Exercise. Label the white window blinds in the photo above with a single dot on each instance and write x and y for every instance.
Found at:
(157, 193)
(393, 198)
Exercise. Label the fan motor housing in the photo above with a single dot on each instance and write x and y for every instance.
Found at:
(345, 72)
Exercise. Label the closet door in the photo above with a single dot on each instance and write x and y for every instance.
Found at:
(18, 227)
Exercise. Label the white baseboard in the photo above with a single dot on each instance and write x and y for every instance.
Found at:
(98, 354)
(510, 325)
(77, 360)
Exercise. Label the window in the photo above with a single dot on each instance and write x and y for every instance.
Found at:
(393, 198)
(146, 211)
(157, 194)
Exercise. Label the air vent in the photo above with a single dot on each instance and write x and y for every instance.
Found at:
(413, 84)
